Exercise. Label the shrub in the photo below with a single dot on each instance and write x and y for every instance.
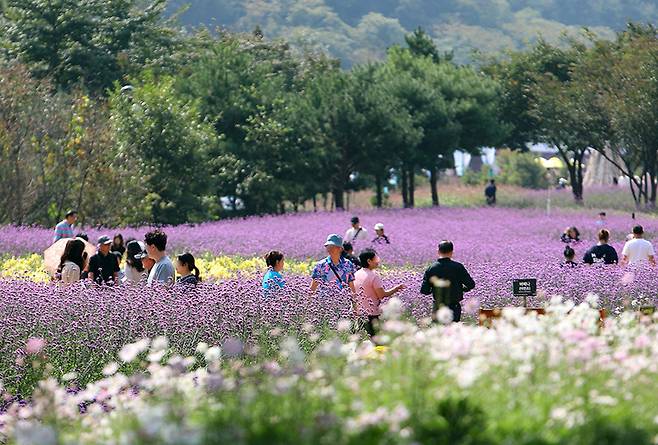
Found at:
(521, 169)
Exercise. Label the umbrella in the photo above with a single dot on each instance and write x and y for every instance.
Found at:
(53, 255)
(554, 162)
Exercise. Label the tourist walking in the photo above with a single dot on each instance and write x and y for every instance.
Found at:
(163, 271)
(569, 256)
(273, 280)
(64, 229)
(103, 267)
(334, 269)
(73, 262)
(570, 235)
(381, 237)
(447, 280)
(134, 271)
(371, 289)
(490, 192)
(602, 253)
(186, 268)
(601, 221)
(356, 232)
(638, 250)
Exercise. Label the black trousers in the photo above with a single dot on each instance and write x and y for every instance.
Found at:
(372, 325)
(456, 313)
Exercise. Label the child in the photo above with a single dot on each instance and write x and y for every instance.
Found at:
(569, 255)
(273, 278)
(185, 267)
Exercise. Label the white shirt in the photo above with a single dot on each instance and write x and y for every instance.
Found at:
(132, 275)
(351, 235)
(638, 250)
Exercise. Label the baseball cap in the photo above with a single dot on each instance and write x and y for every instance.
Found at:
(104, 239)
(379, 226)
(355, 219)
(334, 240)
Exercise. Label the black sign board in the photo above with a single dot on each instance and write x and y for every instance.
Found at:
(525, 287)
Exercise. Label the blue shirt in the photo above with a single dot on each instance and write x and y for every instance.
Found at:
(273, 279)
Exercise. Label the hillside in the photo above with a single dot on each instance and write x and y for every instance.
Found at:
(361, 30)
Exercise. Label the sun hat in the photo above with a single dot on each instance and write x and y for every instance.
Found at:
(104, 239)
(379, 226)
(334, 240)
(139, 247)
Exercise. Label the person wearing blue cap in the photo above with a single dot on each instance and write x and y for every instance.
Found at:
(334, 269)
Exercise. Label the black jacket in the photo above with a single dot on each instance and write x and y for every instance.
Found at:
(448, 270)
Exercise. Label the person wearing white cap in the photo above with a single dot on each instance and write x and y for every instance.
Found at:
(381, 237)
(104, 267)
(135, 271)
(334, 269)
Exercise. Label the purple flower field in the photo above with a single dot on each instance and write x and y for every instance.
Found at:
(484, 234)
(84, 326)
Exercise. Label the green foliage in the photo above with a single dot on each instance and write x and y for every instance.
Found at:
(57, 153)
(521, 169)
(165, 140)
(452, 422)
(92, 43)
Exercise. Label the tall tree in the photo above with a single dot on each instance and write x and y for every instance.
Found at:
(166, 140)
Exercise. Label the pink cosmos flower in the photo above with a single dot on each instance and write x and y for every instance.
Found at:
(34, 345)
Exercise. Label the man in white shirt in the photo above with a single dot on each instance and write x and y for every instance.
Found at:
(357, 232)
(638, 250)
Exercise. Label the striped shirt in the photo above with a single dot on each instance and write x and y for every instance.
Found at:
(63, 230)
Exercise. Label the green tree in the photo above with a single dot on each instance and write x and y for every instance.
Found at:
(164, 138)
(93, 42)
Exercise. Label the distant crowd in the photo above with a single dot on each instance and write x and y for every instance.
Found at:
(637, 250)
(146, 263)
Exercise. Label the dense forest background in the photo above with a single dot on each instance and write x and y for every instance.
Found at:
(357, 31)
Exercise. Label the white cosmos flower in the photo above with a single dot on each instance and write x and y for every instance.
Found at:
(110, 368)
(130, 351)
(344, 325)
(444, 315)
(160, 343)
(212, 354)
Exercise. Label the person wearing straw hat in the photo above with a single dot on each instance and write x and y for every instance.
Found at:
(104, 267)
(381, 238)
(334, 269)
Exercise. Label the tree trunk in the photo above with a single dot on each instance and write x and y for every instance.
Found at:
(339, 198)
(577, 185)
(405, 190)
(379, 192)
(434, 179)
(315, 203)
(412, 187)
